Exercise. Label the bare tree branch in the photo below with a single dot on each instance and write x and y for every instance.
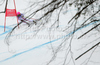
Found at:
(78, 14)
(88, 31)
(87, 50)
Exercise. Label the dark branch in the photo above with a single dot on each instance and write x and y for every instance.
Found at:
(89, 31)
(91, 16)
(78, 14)
(87, 50)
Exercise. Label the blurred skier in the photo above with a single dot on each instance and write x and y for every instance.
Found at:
(23, 19)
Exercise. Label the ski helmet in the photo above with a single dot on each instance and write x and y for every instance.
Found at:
(18, 13)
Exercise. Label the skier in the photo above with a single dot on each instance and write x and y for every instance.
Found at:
(23, 19)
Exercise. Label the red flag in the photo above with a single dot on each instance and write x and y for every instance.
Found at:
(11, 12)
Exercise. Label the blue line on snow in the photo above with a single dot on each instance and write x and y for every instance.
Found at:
(45, 43)
(7, 27)
(5, 32)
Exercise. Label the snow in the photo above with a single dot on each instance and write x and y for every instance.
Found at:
(27, 49)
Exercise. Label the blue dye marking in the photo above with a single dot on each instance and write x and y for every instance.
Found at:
(8, 30)
(6, 27)
(5, 32)
(45, 43)
(70, 11)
